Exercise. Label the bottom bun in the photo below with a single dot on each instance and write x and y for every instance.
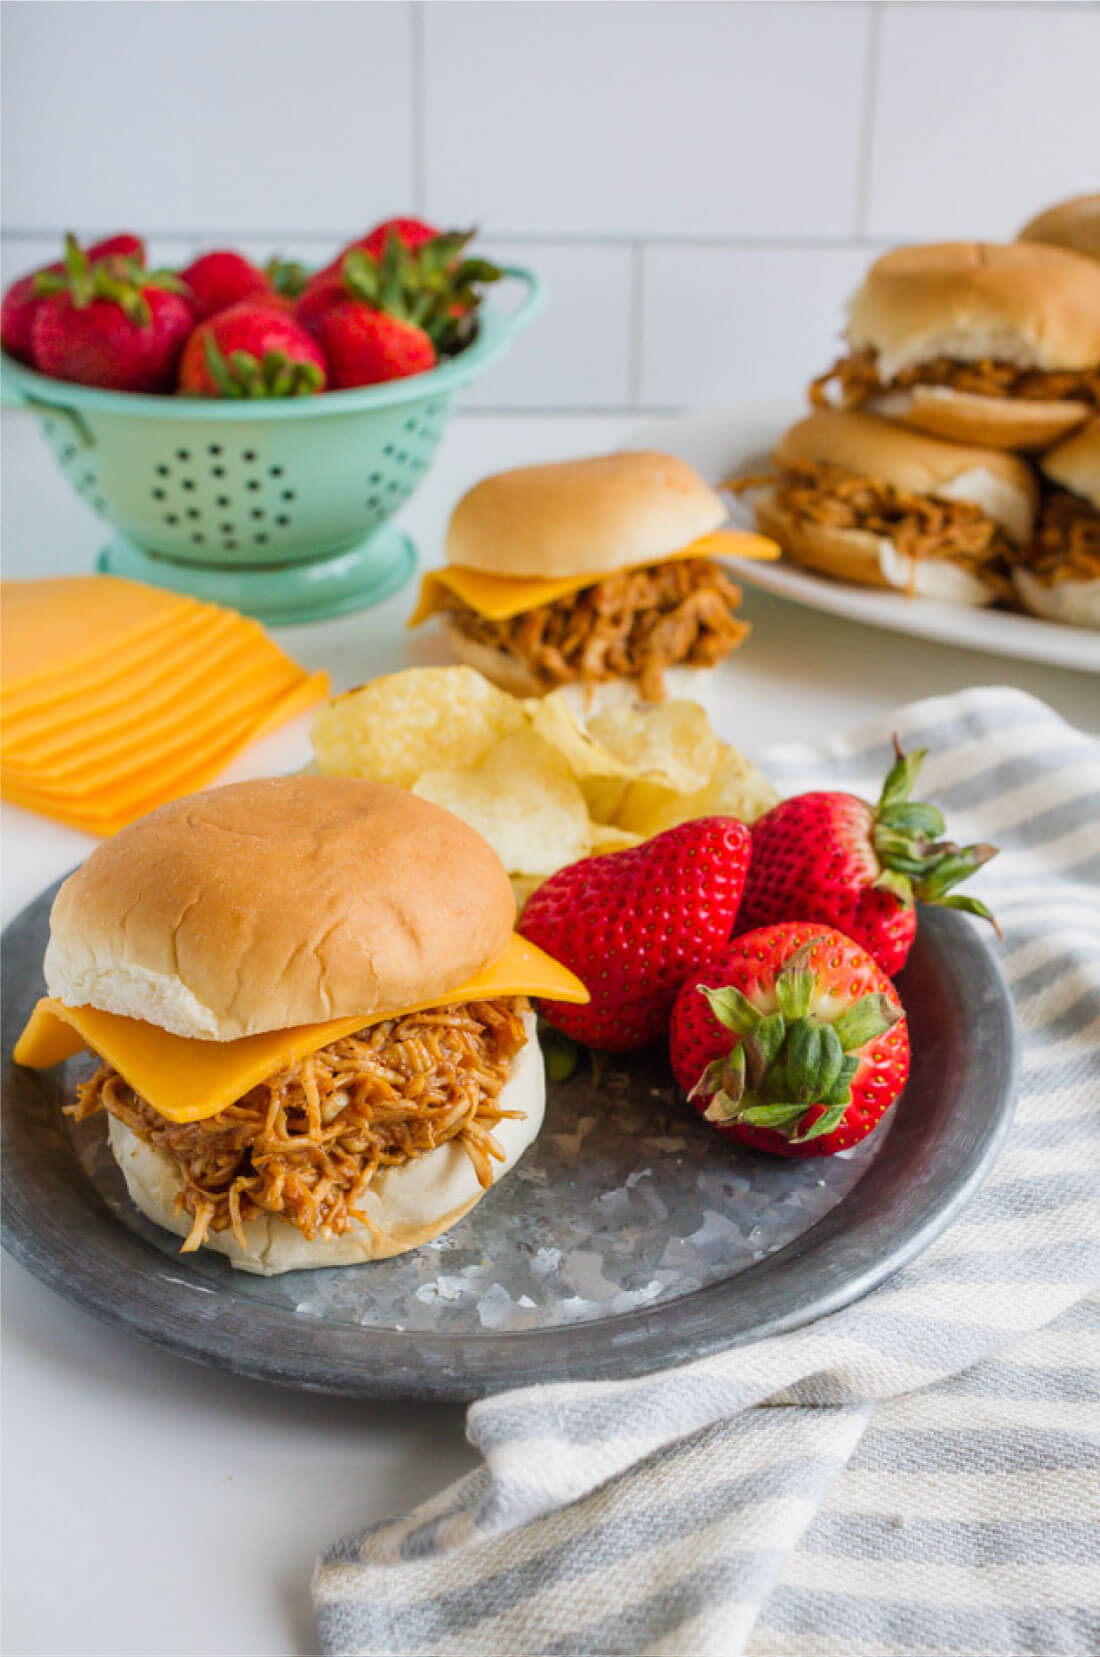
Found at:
(966, 417)
(1075, 602)
(867, 560)
(408, 1204)
(512, 675)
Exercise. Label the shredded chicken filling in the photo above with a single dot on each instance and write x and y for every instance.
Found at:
(814, 492)
(1066, 543)
(857, 380)
(306, 1143)
(635, 624)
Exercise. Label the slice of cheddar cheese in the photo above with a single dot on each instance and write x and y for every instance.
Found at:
(187, 1080)
(60, 624)
(156, 783)
(169, 667)
(499, 597)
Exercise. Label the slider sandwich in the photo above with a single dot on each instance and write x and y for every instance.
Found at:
(589, 572)
(1058, 573)
(1074, 224)
(869, 502)
(974, 342)
(310, 1016)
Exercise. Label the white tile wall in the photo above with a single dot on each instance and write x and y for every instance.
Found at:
(700, 184)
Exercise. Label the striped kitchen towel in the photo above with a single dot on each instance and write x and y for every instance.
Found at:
(919, 1473)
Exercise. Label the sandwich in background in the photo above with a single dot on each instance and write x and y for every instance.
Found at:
(309, 1010)
(870, 502)
(590, 572)
(974, 342)
(1058, 572)
(1074, 224)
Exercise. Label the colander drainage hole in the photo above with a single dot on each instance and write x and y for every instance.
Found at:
(260, 540)
(248, 454)
(257, 512)
(213, 448)
(282, 518)
(183, 454)
(187, 483)
(254, 485)
(171, 518)
(223, 500)
(226, 529)
(375, 477)
(198, 537)
(275, 471)
(159, 494)
(218, 471)
(388, 450)
(162, 471)
(373, 503)
(193, 512)
(287, 495)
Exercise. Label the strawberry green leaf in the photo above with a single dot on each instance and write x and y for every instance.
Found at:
(794, 990)
(732, 1009)
(761, 1046)
(826, 1123)
(772, 1116)
(562, 1055)
(866, 1019)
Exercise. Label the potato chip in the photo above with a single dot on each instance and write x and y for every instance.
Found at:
(671, 744)
(736, 789)
(556, 722)
(604, 797)
(522, 888)
(522, 798)
(606, 837)
(394, 728)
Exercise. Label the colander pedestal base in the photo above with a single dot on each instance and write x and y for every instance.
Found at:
(280, 596)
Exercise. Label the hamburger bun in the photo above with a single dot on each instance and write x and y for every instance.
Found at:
(1035, 306)
(582, 517)
(408, 1204)
(1074, 465)
(1074, 224)
(291, 900)
(1001, 485)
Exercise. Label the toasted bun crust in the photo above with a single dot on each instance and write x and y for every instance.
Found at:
(1074, 224)
(408, 1204)
(1075, 464)
(581, 517)
(1024, 303)
(997, 422)
(1075, 602)
(857, 556)
(999, 483)
(287, 901)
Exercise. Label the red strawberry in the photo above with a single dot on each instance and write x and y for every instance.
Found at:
(109, 323)
(320, 294)
(220, 279)
(801, 1045)
(633, 924)
(835, 859)
(253, 349)
(364, 346)
(413, 233)
(23, 297)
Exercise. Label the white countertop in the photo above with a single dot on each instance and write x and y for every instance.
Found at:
(151, 1506)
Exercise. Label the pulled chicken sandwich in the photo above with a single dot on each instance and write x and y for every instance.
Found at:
(310, 1016)
(1057, 574)
(590, 572)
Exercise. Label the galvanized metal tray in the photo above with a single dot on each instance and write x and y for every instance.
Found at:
(630, 1236)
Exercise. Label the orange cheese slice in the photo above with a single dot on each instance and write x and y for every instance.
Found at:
(169, 666)
(499, 597)
(187, 1080)
(56, 625)
(156, 783)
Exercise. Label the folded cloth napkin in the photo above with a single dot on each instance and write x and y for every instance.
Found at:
(917, 1473)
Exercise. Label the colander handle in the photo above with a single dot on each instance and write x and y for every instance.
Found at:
(13, 396)
(531, 303)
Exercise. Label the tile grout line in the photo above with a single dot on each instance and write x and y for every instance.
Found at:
(637, 324)
(867, 122)
(527, 238)
(417, 110)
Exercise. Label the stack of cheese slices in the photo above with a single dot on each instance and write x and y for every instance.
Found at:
(116, 697)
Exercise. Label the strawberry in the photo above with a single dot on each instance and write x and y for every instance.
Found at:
(364, 346)
(798, 1044)
(253, 349)
(835, 859)
(219, 279)
(109, 322)
(411, 233)
(22, 299)
(633, 925)
(432, 286)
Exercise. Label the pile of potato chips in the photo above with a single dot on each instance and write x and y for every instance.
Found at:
(541, 787)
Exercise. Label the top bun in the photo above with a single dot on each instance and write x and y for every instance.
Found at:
(1075, 464)
(1001, 484)
(268, 904)
(1025, 303)
(582, 517)
(1074, 224)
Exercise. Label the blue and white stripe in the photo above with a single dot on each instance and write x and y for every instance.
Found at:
(917, 1473)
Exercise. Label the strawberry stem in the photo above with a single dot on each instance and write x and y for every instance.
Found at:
(917, 864)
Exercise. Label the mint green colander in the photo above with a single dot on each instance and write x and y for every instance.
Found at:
(281, 509)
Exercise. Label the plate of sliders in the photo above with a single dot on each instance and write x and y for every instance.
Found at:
(947, 480)
(294, 1086)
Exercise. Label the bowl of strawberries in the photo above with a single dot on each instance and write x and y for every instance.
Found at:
(250, 432)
